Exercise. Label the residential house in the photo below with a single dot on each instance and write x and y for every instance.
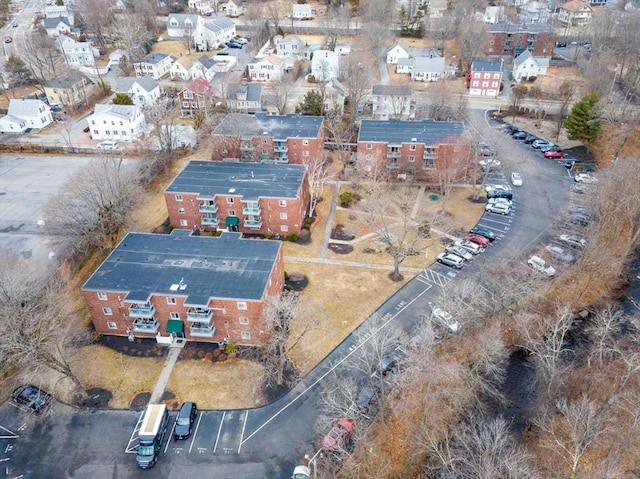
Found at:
(214, 33)
(59, 11)
(144, 91)
(205, 66)
(183, 25)
(575, 12)
(57, 26)
(485, 78)
(429, 68)
(177, 136)
(325, 65)
(156, 65)
(249, 198)
(494, 14)
(335, 94)
(203, 7)
(412, 147)
(71, 89)
(525, 66)
(534, 12)
(181, 68)
(293, 46)
(397, 52)
(262, 137)
(508, 40)
(342, 48)
(405, 65)
(202, 288)
(115, 122)
(246, 98)
(391, 101)
(233, 9)
(195, 97)
(301, 11)
(223, 63)
(77, 54)
(269, 68)
(24, 114)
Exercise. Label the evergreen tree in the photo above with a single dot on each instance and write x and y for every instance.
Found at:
(313, 104)
(122, 99)
(17, 71)
(583, 123)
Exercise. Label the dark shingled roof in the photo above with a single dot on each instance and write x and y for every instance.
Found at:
(198, 267)
(520, 28)
(429, 132)
(479, 65)
(279, 127)
(251, 181)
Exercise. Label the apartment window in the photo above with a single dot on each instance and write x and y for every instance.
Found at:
(183, 223)
(121, 123)
(123, 133)
(231, 213)
(229, 200)
(305, 142)
(475, 83)
(243, 320)
(174, 315)
(369, 146)
(112, 325)
(181, 211)
(178, 197)
(188, 94)
(185, 104)
(107, 311)
(95, 132)
(485, 84)
(283, 216)
(282, 203)
(245, 335)
(171, 300)
(242, 305)
(411, 158)
(412, 147)
(284, 228)
(305, 153)
(93, 122)
(102, 296)
(194, 104)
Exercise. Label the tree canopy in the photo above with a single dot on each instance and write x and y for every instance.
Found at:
(311, 105)
(122, 99)
(583, 122)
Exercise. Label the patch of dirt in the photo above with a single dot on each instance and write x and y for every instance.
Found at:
(304, 237)
(98, 398)
(140, 401)
(339, 248)
(296, 282)
(340, 232)
(140, 347)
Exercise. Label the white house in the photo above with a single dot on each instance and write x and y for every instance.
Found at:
(247, 98)
(325, 65)
(144, 91)
(404, 65)
(24, 114)
(181, 25)
(342, 48)
(180, 136)
(204, 67)
(232, 9)
(334, 96)
(77, 54)
(58, 11)
(289, 46)
(534, 12)
(267, 68)
(430, 68)
(526, 66)
(301, 11)
(116, 122)
(575, 12)
(203, 7)
(391, 101)
(181, 69)
(214, 33)
(155, 64)
(494, 14)
(397, 52)
(56, 26)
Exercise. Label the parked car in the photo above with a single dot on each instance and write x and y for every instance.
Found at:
(549, 147)
(519, 135)
(580, 188)
(14, 24)
(477, 239)
(445, 319)
(472, 248)
(234, 45)
(559, 253)
(516, 179)
(365, 397)
(57, 107)
(554, 155)
(184, 422)
(574, 241)
(223, 52)
(107, 145)
(489, 164)
(540, 143)
(459, 251)
(561, 44)
(581, 220)
(242, 40)
(540, 265)
(482, 231)
(337, 436)
(301, 472)
(530, 139)
(580, 210)
(498, 208)
(31, 397)
(451, 260)
(387, 365)
(584, 178)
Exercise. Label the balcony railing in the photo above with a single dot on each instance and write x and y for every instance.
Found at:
(251, 210)
(145, 325)
(254, 224)
(281, 159)
(246, 147)
(142, 311)
(430, 155)
(202, 329)
(392, 166)
(210, 220)
(393, 154)
(280, 148)
(208, 208)
(200, 315)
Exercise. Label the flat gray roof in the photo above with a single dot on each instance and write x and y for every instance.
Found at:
(429, 132)
(279, 127)
(179, 264)
(249, 180)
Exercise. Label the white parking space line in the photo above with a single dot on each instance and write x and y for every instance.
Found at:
(219, 431)
(173, 428)
(10, 435)
(195, 432)
(132, 445)
(244, 426)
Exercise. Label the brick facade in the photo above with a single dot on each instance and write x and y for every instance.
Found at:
(505, 40)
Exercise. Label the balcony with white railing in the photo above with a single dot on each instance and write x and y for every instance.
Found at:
(251, 210)
(280, 148)
(200, 315)
(253, 223)
(210, 219)
(145, 310)
(202, 329)
(208, 207)
(145, 325)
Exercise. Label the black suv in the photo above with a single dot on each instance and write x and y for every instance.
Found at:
(500, 194)
(185, 420)
(32, 397)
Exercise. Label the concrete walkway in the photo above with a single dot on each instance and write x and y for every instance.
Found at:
(165, 374)
(332, 214)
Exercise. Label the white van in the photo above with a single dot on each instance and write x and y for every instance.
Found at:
(108, 145)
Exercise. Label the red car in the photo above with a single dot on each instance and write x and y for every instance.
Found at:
(477, 239)
(554, 155)
(338, 435)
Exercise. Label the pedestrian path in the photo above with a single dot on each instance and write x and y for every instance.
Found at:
(332, 214)
(165, 374)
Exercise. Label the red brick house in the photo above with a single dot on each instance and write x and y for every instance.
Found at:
(509, 40)
(484, 78)
(411, 147)
(195, 97)
(262, 137)
(246, 197)
(202, 288)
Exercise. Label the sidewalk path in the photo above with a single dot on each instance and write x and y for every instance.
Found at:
(165, 374)
(332, 213)
(352, 264)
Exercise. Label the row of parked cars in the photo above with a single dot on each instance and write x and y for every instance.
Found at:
(550, 150)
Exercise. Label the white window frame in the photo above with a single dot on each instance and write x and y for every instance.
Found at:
(171, 300)
(178, 197)
(112, 325)
(184, 223)
(174, 315)
(282, 203)
(283, 216)
(229, 200)
(245, 334)
(181, 211)
(107, 311)
(284, 228)
(242, 305)
(243, 320)
(102, 296)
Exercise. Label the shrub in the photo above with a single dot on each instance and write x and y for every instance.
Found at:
(293, 238)
(170, 228)
(286, 276)
(230, 348)
(268, 235)
(346, 198)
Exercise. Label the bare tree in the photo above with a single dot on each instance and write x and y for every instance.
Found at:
(450, 166)
(95, 16)
(566, 91)
(378, 18)
(281, 90)
(42, 57)
(341, 134)
(164, 116)
(132, 33)
(317, 177)
(356, 76)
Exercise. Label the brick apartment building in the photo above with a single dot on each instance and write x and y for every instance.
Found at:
(509, 40)
(245, 197)
(411, 147)
(202, 288)
(485, 78)
(262, 137)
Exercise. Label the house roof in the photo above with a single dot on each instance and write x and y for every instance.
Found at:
(392, 90)
(219, 24)
(301, 8)
(179, 264)
(254, 91)
(66, 81)
(576, 6)
(523, 57)
(55, 21)
(124, 84)
(520, 28)
(335, 85)
(485, 66)
(275, 60)
(185, 61)
(431, 63)
(408, 62)
(122, 111)
(207, 62)
(249, 180)
(279, 127)
(198, 85)
(400, 46)
(153, 58)
(183, 17)
(26, 107)
(147, 82)
(429, 132)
